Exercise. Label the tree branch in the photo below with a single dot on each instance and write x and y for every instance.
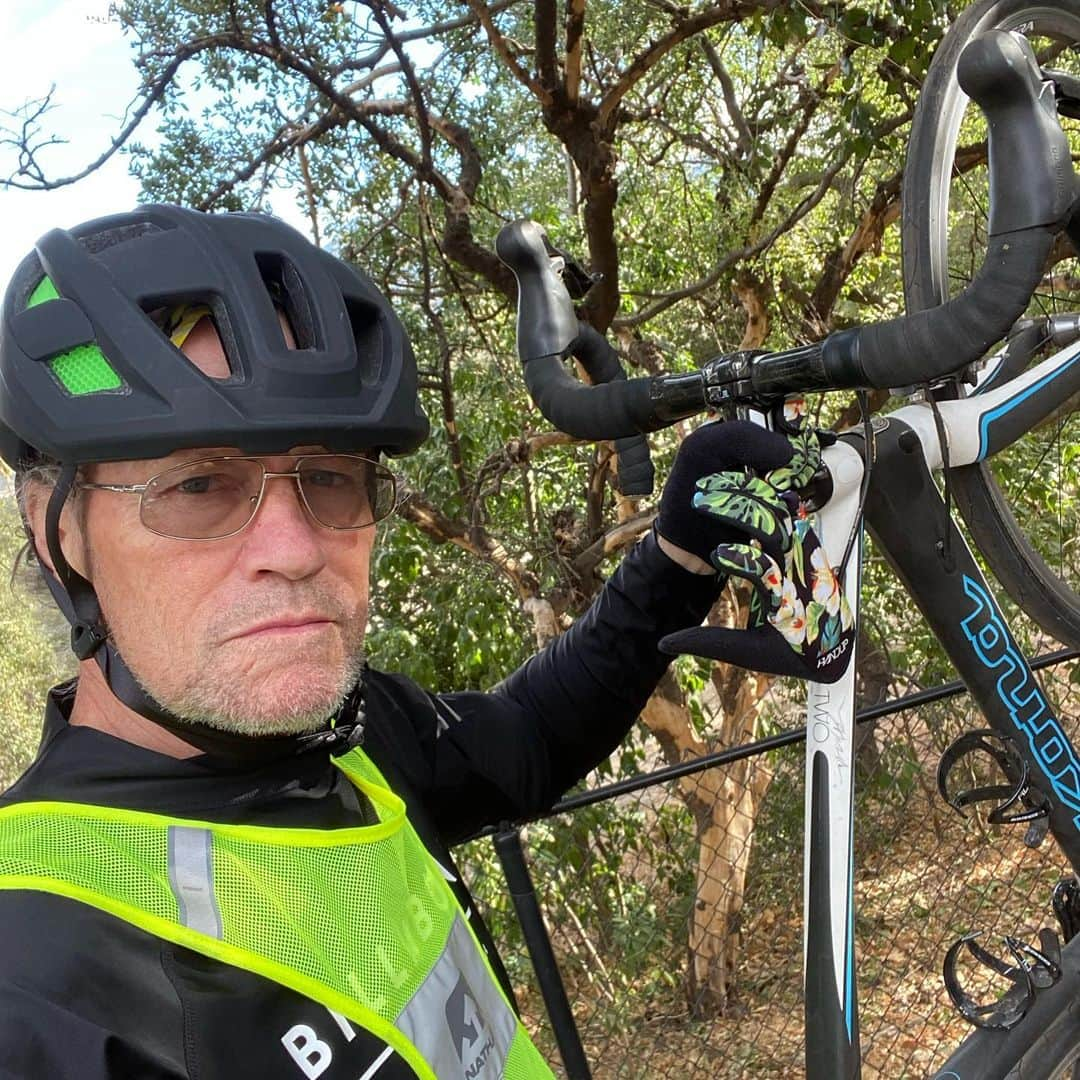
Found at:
(810, 100)
(150, 97)
(733, 257)
(309, 193)
(644, 61)
(420, 110)
(287, 139)
(502, 48)
(744, 139)
(883, 210)
(545, 14)
(575, 33)
(752, 294)
(422, 513)
(624, 535)
(446, 389)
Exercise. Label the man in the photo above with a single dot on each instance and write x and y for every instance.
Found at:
(230, 857)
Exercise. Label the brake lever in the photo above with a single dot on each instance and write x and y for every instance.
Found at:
(575, 277)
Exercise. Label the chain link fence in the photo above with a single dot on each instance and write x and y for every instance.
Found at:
(670, 974)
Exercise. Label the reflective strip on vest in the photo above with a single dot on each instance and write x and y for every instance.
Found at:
(457, 1019)
(191, 875)
(361, 920)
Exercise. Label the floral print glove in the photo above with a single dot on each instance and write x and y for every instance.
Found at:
(800, 623)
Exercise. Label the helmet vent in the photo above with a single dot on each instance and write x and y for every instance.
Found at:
(367, 332)
(285, 287)
(187, 326)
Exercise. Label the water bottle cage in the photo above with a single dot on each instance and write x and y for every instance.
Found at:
(1031, 970)
(1016, 802)
(1065, 901)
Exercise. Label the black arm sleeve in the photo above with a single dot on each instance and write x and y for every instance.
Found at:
(480, 758)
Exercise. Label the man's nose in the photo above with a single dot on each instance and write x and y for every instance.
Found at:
(283, 536)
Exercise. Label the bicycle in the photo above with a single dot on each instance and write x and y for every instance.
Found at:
(882, 474)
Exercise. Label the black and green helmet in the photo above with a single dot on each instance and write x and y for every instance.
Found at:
(88, 374)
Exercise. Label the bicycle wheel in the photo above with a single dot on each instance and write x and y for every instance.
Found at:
(1023, 506)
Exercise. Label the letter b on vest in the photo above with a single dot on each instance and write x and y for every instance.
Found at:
(309, 1052)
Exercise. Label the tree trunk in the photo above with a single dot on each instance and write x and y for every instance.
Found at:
(724, 802)
(725, 839)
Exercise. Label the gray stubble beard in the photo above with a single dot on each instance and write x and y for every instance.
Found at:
(194, 707)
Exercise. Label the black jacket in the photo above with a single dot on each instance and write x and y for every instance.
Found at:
(87, 996)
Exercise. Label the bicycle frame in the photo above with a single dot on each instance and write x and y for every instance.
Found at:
(939, 572)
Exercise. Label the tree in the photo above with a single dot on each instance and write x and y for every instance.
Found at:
(729, 168)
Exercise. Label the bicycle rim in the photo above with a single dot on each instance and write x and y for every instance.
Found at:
(1022, 507)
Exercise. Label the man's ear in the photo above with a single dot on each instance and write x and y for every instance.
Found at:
(35, 501)
(36, 498)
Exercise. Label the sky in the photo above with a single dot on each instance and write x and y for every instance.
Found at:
(70, 44)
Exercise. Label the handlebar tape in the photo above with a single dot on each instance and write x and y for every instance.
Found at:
(931, 344)
(615, 405)
(636, 473)
(596, 355)
(548, 330)
(1032, 187)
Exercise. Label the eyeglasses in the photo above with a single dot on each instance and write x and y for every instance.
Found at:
(213, 498)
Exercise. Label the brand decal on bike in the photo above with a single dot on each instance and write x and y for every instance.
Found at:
(1020, 694)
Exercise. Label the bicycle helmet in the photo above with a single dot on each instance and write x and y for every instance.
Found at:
(87, 373)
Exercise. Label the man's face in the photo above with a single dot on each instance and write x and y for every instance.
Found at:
(261, 632)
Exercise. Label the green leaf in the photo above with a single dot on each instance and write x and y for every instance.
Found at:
(814, 612)
(798, 559)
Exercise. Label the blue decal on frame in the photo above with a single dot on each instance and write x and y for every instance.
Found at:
(1021, 696)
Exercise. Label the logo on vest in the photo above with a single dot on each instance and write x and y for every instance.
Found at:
(472, 1041)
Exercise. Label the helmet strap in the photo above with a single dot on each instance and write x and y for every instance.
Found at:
(75, 597)
(72, 591)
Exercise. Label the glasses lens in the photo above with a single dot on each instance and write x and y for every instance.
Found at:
(202, 500)
(346, 492)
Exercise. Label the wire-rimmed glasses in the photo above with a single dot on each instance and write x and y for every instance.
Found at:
(216, 497)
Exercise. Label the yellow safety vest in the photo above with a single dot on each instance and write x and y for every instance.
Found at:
(361, 920)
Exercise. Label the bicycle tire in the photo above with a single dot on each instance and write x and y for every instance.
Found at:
(1056, 1055)
(1042, 590)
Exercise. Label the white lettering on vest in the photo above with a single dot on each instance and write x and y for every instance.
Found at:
(397, 976)
(375, 1002)
(343, 1023)
(309, 1052)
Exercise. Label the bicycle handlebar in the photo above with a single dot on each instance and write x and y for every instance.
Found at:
(1032, 187)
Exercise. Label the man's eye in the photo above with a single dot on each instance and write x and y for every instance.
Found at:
(326, 478)
(204, 484)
